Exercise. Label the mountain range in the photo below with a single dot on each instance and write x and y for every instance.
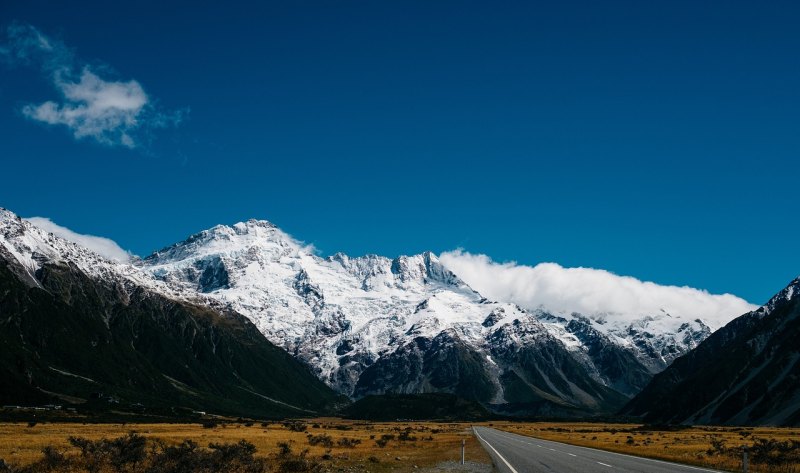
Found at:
(374, 325)
(362, 326)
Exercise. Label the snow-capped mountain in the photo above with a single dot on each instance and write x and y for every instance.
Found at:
(75, 326)
(656, 340)
(371, 325)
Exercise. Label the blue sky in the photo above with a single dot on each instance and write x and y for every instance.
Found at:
(652, 139)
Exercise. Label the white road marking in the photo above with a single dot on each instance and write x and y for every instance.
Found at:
(572, 454)
(680, 465)
(605, 464)
(495, 451)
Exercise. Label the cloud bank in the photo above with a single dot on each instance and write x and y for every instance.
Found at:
(588, 291)
(110, 112)
(103, 246)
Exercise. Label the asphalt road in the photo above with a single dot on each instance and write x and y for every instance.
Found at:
(519, 454)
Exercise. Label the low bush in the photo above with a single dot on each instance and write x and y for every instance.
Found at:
(133, 453)
(296, 426)
(324, 440)
(348, 442)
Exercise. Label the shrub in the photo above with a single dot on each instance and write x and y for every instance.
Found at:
(348, 442)
(773, 452)
(134, 453)
(284, 449)
(406, 435)
(324, 440)
(120, 453)
(385, 438)
(717, 447)
(297, 463)
(52, 458)
(296, 426)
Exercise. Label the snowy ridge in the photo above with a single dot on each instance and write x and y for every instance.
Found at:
(31, 247)
(324, 310)
(656, 339)
(784, 297)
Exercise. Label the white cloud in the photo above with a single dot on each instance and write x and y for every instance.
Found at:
(103, 110)
(103, 246)
(111, 112)
(588, 291)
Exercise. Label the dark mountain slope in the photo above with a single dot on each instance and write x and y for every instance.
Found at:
(747, 373)
(66, 336)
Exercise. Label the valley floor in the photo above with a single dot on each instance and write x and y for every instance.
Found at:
(338, 445)
(408, 446)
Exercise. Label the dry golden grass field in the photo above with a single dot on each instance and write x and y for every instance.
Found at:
(338, 445)
(424, 447)
(712, 447)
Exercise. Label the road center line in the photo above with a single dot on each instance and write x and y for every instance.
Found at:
(605, 464)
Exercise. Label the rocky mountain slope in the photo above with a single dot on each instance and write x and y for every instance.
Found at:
(373, 325)
(79, 329)
(747, 373)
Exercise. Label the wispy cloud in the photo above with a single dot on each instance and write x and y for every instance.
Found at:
(105, 247)
(92, 104)
(588, 291)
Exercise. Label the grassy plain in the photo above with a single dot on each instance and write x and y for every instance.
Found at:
(425, 444)
(705, 446)
(355, 446)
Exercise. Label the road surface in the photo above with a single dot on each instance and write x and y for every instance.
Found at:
(519, 454)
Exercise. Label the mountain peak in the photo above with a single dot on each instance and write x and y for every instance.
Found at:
(7, 217)
(234, 238)
(786, 295)
(254, 225)
(424, 267)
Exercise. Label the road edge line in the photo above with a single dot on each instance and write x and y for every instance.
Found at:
(691, 467)
(513, 470)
